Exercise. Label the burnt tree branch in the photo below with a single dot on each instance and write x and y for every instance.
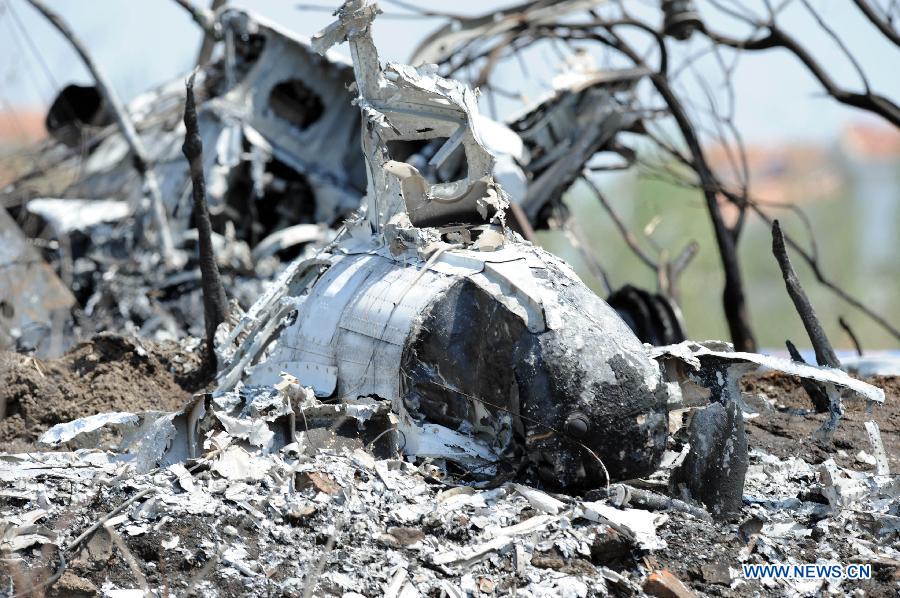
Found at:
(733, 300)
(880, 23)
(627, 235)
(846, 326)
(727, 237)
(816, 392)
(821, 345)
(813, 263)
(209, 38)
(778, 38)
(811, 257)
(215, 303)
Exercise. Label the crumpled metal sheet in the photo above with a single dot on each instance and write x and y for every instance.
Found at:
(693, 353)
(242, 114)
(402, 103)
(146, 440)
(324, 151)
(69, 215)
(35, 305)
(389, 517)
(67, 431)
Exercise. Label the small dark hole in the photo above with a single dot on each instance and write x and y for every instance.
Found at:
(295, 102)
(7, 310)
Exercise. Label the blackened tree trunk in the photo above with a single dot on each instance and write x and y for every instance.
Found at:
(215, 303)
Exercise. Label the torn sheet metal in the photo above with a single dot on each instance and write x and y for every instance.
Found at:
(23, 531)
(61, 433)
(278, 516)
(695, 355)
(282, 503)
(283, 170)
(882, 466)
(143, 441)
(278, 126)
(640, 524)
(297, 100)
(400, 103)
(280, 133)
(713, 365)
(69, 215)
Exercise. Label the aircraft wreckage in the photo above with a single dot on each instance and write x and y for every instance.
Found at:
(469, 346)
(392, 413)
(284, 171)
(482, 349)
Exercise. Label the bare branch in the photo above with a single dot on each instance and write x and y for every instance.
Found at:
(851, 334)
(816, 392)
(209, 38)
(824, 352)
(778, 38)
(627, 235)
(577, 239)
(765, 34)
(826, 282)
(202, 17)
(883, 25)
(840, 43)
(810, 257)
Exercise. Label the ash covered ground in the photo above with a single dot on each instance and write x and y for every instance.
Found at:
(344, 522)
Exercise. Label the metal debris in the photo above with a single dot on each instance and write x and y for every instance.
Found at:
(269, 113)
(395, 413)
(35, 305)
(881, 462)
(451, 535)
(268, 120)
(390, 310)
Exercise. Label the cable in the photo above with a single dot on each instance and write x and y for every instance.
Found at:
(33, 46)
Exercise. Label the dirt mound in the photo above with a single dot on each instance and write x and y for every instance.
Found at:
(107, 373)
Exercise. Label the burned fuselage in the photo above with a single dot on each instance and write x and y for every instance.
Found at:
(485, 354)
(487, 347)
(578, 392)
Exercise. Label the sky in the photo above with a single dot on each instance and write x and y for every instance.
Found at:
(147, 42)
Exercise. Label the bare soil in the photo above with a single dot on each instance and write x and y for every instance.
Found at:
(107, 373)
(787, 430)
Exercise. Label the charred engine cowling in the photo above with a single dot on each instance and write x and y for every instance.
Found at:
(487, 356)
(576, 404)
